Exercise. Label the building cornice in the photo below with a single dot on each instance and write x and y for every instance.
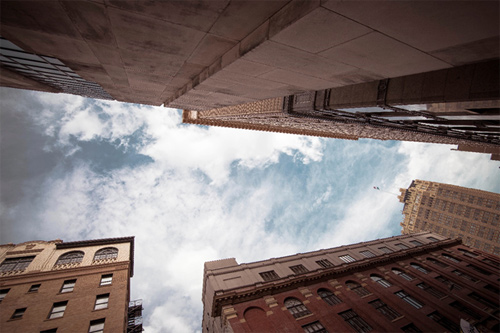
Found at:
(260, 289)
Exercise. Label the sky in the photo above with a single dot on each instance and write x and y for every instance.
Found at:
(74, 168)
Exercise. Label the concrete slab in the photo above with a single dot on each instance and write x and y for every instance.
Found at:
(138, 33)
(242, 17)
(319, 30)
(106, 54)
(210, 49)
(305, 82)
(488, 48)
(289, 14)
(117, 74)
(384, 56)
(154, 63)
(196, 14)
(426, 25)
(249, 68)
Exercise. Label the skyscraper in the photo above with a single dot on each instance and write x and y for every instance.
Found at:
(326, 62)
(453, 211)
(57, 286)
(422, 282)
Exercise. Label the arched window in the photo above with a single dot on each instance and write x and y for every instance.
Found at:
(357, 288)
(404, 275)
(106, 253)
(257, 319)
(380, 280)
(296, 308)
(74, 257)
(329, 297)
(419, 268)
(437, 262)
(447, 256)
(468, 253)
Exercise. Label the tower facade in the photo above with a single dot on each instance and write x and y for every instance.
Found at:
(413, 283)
(57, 286)
(453, 211)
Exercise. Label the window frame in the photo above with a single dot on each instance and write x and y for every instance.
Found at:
(70, 258)
(324, 263)
(100, 301)
(269, 275)
(409, 299)
(3, 293)
(104, 280)
(299, 269)
(95, 325)
(34, 288)
(107, 253)
(16, 264)
(18, 313)
(347, 258)
(329, 297)
(68, 286)
(380, 280)
(59, 313)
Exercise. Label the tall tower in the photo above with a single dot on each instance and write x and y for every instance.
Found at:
(453, 211)
(57, 286)
(421, 282)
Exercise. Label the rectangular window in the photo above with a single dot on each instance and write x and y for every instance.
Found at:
(486, 302)
(402, 246)
(52, 330)
(315, 327)
(347, 258)
(298, 269)
(68, 286)
(416, 242)
(18, 313)
(384, 309)
(356, 322)
(410, 300)
(451, 285)
(106, 279)
(269, 275)
(34, 288)
(443, 321)
(368, 254)
(462, 308)
(3, 293)
(492, 289)
(411, 328)
(101, 302)
(58, 310)
(385, 249)
(97, 326)
(479, 269)
(464, 276)
(324, 263)
(431, 290)
(16, 264)
(433, 239)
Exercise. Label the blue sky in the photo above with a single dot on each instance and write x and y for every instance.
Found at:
(75, 168)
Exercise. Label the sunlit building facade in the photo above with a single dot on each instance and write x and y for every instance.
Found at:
(453, 211)
(57, 286)
(421, 282)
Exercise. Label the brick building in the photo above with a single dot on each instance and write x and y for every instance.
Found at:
(453, 211)
(342, 69)
(421, 282)
(57, 286)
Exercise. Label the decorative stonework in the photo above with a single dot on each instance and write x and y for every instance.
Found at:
(65, 266)
(104, 261)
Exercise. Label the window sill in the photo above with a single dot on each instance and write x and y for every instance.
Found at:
(305, 316)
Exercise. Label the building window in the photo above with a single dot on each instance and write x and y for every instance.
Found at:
(3, 293)
(106, 279)
(443, 321)
(18, 313)
(269, 275)
(462, 308)
(411, 328)
(437, 262)
(97, 326)
(384, 309)
(52, 330)
(431, 290)
(329, 297)
(468, 253)
(357, 288)
(15, 264)
(347, 258)
(108, 253)
(402, 274)
(58, 310)
(419, 268)
(298, 269)
(380, 281)
(101, 302)
(315, 327)
(479, 269)
(432, 239)
(34, 288)
(447, 256)
(410, 300)
(464, 275)
(296, 308)
(385, 249)
(451, 285)
(493, 289)
(367, 254)
(491, 262)
(325, 263)
(416, 243)
(484, 301)
(68, 286)
(356, 322)
(402, 246)
(74, 257)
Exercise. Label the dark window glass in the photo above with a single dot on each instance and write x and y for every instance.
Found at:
(3, 293)
(464, 275)
(445, 322)
(479, 269)
(486, 302)
(410, 300)
(74, 257)
(402, 274)
(451, 285)
(411, 328)
(52, 330)
(402, 246)
(96, 326)
(269, 275)
(432, 239)
(416, 242)
(447, 256)
(324, 263)
(431, 290)
(297, 269)
(356, 322)
(58, 310)
(34, 288)
(296, 308)
(329, 297)
(462, 308)
(380, 280)
(18, 313)
(106, 254)
(315, 327)
(437, 262)
(368, 254)
(419, 268)
(384, 309)
(106, 279)
(385, 249)
(16, 264)
(357, 288)
(68, 286)
(101, 302)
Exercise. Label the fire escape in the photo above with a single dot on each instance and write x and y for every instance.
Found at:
(134, 316)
